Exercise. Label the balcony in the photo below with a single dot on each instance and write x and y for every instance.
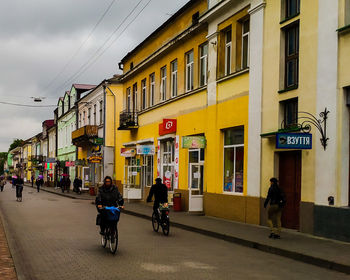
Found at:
(128, 120)
(84, 134)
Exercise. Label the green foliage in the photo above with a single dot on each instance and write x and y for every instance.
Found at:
(16, 143)
(3, 159)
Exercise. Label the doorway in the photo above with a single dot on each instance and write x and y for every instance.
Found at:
(196, 173)
(290, 182)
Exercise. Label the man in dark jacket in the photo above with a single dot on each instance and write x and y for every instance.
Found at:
(77, 185)
(19, 188)
(108, 195)
(277, 201)
(160, 192)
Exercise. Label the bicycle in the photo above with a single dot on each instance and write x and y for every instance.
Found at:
(161, 218)
(110, 234)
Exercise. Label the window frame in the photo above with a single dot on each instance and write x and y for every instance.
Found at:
(205, 58)
(287, 12)
(128, 99)
(189, 67)
(163, 83)
(173, 78)
(89, 116)
(290, 58)
(152, 88)
(228, 45)
(144, 94)
(247, 34)
(95, 114)
(101, 112)
(134, 98)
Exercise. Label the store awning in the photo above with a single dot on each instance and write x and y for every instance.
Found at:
(273, 134)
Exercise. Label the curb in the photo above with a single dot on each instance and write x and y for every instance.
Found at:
(255, 245)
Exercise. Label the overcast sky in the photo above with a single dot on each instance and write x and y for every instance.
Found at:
(40, 38)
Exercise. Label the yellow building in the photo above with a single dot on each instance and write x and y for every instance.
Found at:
(306, 78)
(184, 115)
(27, 163)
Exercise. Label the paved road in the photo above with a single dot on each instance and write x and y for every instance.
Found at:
(53, 237)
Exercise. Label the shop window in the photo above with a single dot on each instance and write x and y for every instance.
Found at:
(128, 99)
(174, 78)
(144, 94)
(233, 159)
(189, 71)
(290, 113)
(152, 87)
(291, 64)
(245, 44)
(228, 51)
(148, 163)
(163, 83)
(203, 64)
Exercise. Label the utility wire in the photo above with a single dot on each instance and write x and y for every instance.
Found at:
(80, 47)
(99, 49)
(25, 105)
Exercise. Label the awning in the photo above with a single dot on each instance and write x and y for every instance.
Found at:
(273, 134)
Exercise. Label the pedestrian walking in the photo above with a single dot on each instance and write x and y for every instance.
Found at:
(38, 184)
(33, 179)
(276, 198)
(19, 188)
(2, 183)
(77, 185)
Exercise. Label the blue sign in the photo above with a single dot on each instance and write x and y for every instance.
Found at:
(294, 141)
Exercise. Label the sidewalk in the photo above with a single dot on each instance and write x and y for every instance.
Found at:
(322, 252)
(71, 194)
(7, 268)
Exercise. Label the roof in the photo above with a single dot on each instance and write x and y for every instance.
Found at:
(49, 123)
(84, 86)
(165, 24)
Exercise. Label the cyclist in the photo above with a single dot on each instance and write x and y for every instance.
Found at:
(108, 195)
(160, 192)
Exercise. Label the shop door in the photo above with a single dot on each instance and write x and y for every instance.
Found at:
(132, 183)
(86, 178)
(290, 182)
(168, 167)
(196, 168)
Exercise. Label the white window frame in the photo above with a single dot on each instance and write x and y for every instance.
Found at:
(234, 169)
(245, 35)
(144, 93)
(95, 114)
(89, 116)
(134, 101)
(174, 87)
(228, 53)
(101, 112)
(163, 83)
(189, 69)
(152, 88)
(203, 59)
(84, 116)
(128, 99)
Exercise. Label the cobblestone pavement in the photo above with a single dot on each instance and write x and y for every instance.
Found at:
(53, 237)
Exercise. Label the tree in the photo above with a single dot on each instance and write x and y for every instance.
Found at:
(3, 159)
(16, 143)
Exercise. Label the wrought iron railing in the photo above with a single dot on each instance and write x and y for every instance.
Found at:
(128, 119)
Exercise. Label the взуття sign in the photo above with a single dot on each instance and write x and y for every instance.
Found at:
(294, 141)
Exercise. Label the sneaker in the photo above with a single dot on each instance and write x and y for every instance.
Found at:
(276, 236)
(271, 235)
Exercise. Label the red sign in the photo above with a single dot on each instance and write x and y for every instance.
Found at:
(70, 163)
(167, 126)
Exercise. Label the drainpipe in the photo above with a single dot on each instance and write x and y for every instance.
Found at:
(104, 127)
(114, 122)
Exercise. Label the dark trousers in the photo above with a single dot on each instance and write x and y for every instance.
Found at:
(19, 190)
(2, 188)
(38, 187)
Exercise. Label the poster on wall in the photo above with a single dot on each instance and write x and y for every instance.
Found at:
(176, 175)
(127, 152)
(158, 160)
(193, 142)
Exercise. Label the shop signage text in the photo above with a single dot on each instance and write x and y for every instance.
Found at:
(294, 141)
(70, 163)
(95, 159)
(167, 126)
(127, 152)
(193, 142)
(145, 149)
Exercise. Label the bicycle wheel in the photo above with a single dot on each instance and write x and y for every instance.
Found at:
(155, 223)
(104, 239)
(113, 241)
(166, 227)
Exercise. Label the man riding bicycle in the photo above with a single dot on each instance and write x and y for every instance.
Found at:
(108, 195)
(160, 192)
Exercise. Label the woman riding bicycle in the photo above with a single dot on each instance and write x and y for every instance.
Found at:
(108, 195)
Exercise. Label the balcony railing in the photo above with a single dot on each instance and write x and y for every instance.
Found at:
(128, 120)
(85, 133)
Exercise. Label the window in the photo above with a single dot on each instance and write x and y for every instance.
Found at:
(144, 95)
(89, 116)
(291, 56)
(134, 97)
(174, 78)
(152, 87)
(163, 83)
(228, 50)
(245, 44)
(203, 64)
(84, 115)
(233, 159)
(131, 65)
(148, 163)
(101, 112)
(95, 121)
(290, 113)
(128, 99)
(80, 120)
(189, 71)
(347, 12)
(292, 8)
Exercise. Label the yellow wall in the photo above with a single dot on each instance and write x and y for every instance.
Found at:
(306, 93)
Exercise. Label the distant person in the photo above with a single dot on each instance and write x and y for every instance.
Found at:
(276, 198)
(77, 185)
(32, 179)
(39, 182)
(2, 183)
(19, 188)
(160, 192)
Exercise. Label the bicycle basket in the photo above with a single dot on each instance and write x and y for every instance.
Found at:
(163, 208)
(112, 214)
